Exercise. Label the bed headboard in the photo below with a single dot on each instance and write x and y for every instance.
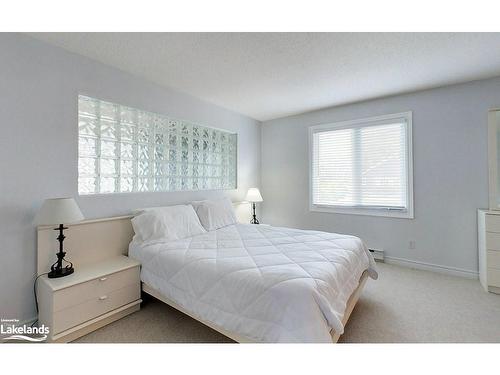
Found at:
(87, 242)
(92, 241)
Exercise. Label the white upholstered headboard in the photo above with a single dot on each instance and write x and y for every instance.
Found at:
(95, 240)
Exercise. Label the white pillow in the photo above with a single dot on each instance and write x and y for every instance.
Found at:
(215, 214)
(167, 224)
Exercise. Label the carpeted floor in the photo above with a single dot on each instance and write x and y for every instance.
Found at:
(403, 305)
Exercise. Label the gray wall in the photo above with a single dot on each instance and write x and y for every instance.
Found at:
(39, 85)
(450, 174)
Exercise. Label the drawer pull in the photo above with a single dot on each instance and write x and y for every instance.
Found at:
(103, 279)
(102, 298)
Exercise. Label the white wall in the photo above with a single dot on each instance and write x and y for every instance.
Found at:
(450, 174)
(39, 85)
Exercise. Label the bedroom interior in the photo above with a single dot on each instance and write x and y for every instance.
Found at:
(250, 187)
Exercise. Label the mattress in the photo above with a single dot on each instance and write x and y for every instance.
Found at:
(263, 283)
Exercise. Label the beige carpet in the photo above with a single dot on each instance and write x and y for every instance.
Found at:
(403, 305)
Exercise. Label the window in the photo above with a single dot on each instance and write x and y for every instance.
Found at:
(363, 166)
(123, 149)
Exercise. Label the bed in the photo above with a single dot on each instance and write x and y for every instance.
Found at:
(258, 283)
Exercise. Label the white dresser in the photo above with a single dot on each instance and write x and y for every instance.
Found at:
(489, 249)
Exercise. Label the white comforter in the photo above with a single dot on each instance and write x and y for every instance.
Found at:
(263, 283)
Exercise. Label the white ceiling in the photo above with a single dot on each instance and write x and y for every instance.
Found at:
(271, 75)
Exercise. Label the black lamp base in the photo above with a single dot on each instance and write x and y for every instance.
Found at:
(57, 269)
(65, 271)
(254, 218)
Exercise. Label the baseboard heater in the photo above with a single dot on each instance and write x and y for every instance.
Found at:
(378, 254)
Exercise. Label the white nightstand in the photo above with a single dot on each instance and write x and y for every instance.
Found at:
(95, 295)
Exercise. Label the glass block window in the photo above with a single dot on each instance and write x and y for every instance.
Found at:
(123, 149)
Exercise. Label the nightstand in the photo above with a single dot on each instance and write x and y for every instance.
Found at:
(95, 295)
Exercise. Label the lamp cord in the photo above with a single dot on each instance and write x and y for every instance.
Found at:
(36, 299)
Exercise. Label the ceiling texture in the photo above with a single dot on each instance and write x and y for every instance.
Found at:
(271, 75)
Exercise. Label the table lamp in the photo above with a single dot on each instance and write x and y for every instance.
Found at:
(253, 195)
(59, 211)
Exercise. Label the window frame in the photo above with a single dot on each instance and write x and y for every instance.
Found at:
(407, 213)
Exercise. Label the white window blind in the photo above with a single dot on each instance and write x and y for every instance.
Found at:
(363, 165)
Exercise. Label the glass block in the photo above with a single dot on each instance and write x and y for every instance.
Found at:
(172, 184)
(143, 184)
(215, 158)
(143, 135)
(184, 168)
(196, 131)
(87, 146)
(87, 106)
(145, 119)
(172, 140)
(109, 149)
(215, 171)
(205, 171)
(172, 156)
(160, 184)
(127, 167)
(185, 129)
(160, 153)
(204, 183)
(143, 151)
(205, 145)
(159, 139)
(109, 167)
(205, 133)
(109, 129)
(223, 137)
(128, 150)
(128, 115)
(196, 144)
(223, 148)
(185, 184)
(184, 142)
(196, 156)
(196, 184)
(173, 126)
(87, 166)
(126, 184)
(172, 169)
(159, 168)
(184, 156)
(87, 185)
(108, 185)
(108, 110)
(143, 168)
(214, 134)
(88, 126)
(127, 132)
(205, 158)
(196, 170)
(160, 125)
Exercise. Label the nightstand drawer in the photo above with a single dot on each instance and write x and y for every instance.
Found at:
(90, 290)
(493, 241)
(493, 223)
(90, 309)
(493, 277)
(493, 259)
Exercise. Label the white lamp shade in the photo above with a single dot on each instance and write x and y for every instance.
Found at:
(253, 195)
(59, 211)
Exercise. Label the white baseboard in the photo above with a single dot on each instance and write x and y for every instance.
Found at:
(431, 267)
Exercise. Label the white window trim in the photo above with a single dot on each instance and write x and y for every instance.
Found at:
(382, 211)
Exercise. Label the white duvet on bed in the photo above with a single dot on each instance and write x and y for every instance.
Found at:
(264, 283)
